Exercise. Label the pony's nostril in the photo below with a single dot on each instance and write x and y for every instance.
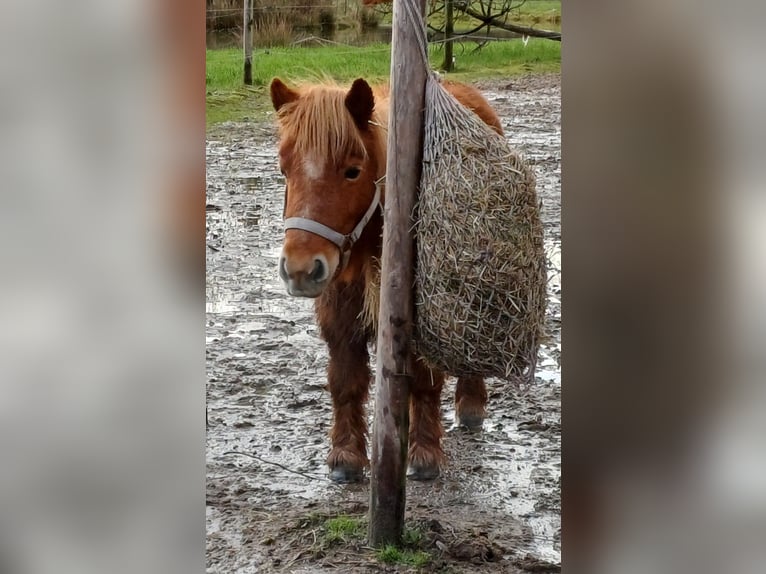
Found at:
(282, 269)
(318, 273)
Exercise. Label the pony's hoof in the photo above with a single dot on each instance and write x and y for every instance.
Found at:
(346, 474)
(471, 422)
(422, 472)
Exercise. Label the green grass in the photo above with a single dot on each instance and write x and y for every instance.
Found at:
(393, 555)
(228, 99)
(412, 537)
(347, 532)
(540, 7)
(410, 552)
(344, 529)
(544, 14)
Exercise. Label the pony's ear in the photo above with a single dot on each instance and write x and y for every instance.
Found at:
(360, 102)
(281, 94)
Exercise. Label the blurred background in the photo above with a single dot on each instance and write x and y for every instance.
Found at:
(102, 224)
(102, 123)
(663, 203)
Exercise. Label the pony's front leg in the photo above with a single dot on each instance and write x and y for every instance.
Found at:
(425, 454)
(348, 376)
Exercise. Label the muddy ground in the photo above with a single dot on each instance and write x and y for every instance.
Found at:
(496, 507)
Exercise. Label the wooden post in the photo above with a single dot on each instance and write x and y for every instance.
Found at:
(247, 28)
(449, 29)
(405, 148)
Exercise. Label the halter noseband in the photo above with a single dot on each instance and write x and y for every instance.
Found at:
(343, 242)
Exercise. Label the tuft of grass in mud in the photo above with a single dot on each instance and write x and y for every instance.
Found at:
(344, 532)
(331, 540)
(228, 99)
(393, 555)
(344, 529)
(410, 553)
(412, 537)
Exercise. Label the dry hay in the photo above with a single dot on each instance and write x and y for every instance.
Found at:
(481, 276)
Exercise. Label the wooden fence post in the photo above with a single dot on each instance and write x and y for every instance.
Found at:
(405, 148)
(247, 28)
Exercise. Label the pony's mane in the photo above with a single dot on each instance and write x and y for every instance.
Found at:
(319, 124)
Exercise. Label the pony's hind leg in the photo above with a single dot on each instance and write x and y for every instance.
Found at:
(348, 376)
(425, 454)
(470, 402)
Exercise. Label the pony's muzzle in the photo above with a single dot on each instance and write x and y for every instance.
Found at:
(304, 278)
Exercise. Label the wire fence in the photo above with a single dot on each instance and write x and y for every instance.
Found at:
(292, 13)
(354, 50)
(435, 42)
(273, 8)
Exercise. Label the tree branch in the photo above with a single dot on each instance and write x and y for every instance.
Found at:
(532, 32)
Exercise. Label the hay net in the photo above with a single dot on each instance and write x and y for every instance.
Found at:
(480, 279)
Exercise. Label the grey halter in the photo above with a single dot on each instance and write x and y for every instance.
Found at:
(343, 242)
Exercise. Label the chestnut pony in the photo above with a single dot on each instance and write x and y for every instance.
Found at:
(332, 153)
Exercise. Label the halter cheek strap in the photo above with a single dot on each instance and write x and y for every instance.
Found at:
(343, 242)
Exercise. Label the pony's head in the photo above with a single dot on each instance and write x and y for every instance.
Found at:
(332, 157)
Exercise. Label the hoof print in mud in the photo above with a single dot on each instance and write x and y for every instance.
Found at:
(346, 474)
(422, 472)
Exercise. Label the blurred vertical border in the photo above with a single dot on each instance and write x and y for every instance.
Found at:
(182, 33)
(663, 205)
(102, 372)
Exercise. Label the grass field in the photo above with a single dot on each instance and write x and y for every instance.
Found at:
(229, 100)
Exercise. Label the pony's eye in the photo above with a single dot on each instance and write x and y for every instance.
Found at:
(282, 171)
(352, 173)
